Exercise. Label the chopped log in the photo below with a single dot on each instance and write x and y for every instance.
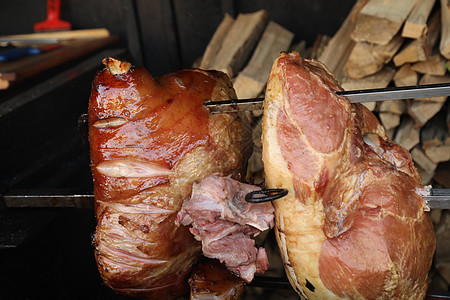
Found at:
(420, 49)
(251, 81)
(367, 59)
(239, 42)
(397, 107)
(423, 109)
(335, 55)
(380, 20)
(435, 132)
(422, 160)
(434, 65)
(407, 134)
(389, 120)
(438, 153)
(444, 46)
(405, 76)
(416, 24)
(216, 41)
(380, 79)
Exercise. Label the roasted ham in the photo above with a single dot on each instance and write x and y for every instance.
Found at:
(353, 224)
(150, 139)
(224, 222)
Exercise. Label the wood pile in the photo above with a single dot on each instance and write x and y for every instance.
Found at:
(399, 43)
(381, 43)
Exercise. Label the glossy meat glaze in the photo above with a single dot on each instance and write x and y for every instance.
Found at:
(150, 139)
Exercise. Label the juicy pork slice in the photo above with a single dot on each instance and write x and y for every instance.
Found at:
(353, 224)
(223, 221)
(150, 139)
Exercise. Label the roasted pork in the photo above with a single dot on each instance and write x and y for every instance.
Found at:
(150, 139)
(354, 224)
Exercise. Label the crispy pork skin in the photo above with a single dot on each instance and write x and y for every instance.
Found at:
(224, 222)
(353, 224)
(150, 139)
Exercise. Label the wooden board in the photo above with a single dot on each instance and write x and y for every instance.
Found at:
(416, 24)
(18, 70)
(380, 20)
(251, 81)
(239, 42)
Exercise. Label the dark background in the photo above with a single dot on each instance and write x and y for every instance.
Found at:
(47, 253)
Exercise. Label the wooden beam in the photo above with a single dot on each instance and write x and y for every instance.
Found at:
(216, 41)
(251, 81)
(239, 42)
(367, 59)
(444, 46)
(380, 20)
(416, 24)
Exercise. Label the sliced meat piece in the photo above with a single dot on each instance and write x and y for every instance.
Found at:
(210, 279)
(223, 221)
(150, 139)
(353, 224)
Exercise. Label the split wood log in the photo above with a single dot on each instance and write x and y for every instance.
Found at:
(380, 79)
(444, 46)
(335, 55)
(397, 107)
(423, 109)
(416, 24)
(380, 20)
(389, 120)
(422, 160)
(239, 42)
(251, 81)
(405, 76)
(367, 59)
(216, 41)
(434, 65)
(407, 134)
(420, 49)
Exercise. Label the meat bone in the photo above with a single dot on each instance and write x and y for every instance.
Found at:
(355, 96)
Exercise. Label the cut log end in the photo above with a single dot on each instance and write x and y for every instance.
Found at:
(116, 66)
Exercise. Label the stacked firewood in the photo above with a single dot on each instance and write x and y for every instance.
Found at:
(399, 43)
(381, 43)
